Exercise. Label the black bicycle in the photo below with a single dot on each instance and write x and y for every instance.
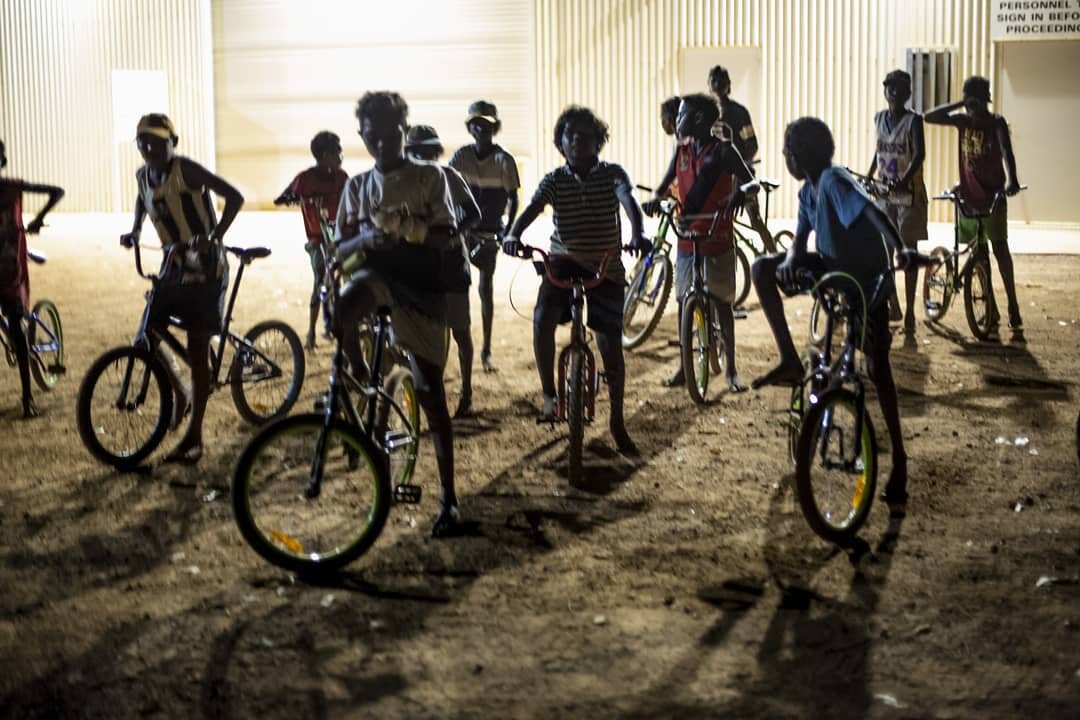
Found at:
(831, 438)
(312, 492)
(125, 402)
(972, 277)
(650, 284)
(45, 336)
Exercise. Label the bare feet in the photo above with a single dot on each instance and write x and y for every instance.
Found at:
(547, 413)
(788, 372)
(488, 363)
(623, 442)
(895, 492)
(309, 344)
(181, 407)
(29, 409)
(676, 379)
(464, 407)
(735, 384)
(185, 453)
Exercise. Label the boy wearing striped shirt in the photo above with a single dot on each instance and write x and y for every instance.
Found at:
(585, 195)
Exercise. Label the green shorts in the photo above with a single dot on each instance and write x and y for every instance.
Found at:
(994, 226)
(318, 268)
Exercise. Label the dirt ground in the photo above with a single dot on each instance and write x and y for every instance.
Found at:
(692, 588)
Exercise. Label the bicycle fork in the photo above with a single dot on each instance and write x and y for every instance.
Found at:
(577, 342)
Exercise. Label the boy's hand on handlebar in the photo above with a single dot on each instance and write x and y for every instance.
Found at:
(512, 246)
(129, 240)
(909, 258)
(640, 245)
(35, 226)
(651, 207)
(1013, 188)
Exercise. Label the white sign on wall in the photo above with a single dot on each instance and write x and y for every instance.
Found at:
(1034, 19)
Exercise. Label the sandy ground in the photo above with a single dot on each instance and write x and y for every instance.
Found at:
(692, 588)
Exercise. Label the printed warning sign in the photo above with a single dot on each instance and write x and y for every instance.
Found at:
(1035, 20)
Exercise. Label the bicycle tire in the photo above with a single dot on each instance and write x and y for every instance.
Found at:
(694, 348)
(716, 357)
(310, 536)
(938, 285)
(742, 277)
(46, 313)
(575, 415)
(783, 240)
(979, 274)
(248, 372)
(835, 516)
(811, 359)
(152, 377)
(640, 287)
(399, 434)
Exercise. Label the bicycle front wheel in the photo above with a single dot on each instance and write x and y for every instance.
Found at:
(836, 467)
(124, 406)
(267, 372)
(979, 298)
(575, 414)
(46, 337)
(742, 277)
(938, 285)
(695, 346)
(309, 498)
(645, 300)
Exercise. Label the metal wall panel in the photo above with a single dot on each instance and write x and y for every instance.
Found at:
(820, 57)
(56, 112)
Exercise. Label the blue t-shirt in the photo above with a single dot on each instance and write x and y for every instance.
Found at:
(846, 241)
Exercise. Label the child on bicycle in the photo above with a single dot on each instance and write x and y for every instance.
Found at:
(669, 113)
(708, 174)
(987, 167)
(585, 195)
(423, 145)
(317, 189)
(174, 192)
(898, 162)
(399, 215)
(849, 230)
(492, 175)
(14, 275)
(734, 124)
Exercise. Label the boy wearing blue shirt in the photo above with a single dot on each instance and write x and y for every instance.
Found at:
(849, 231)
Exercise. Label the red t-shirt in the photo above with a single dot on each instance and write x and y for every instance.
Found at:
(316, 183)
(703, 183)
(982, 172)
(14, 278)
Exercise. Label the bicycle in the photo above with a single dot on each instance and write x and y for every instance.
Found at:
(577, 382)
(650, 285)
(973, 277)
(45, 337)
(311, 493)
(744, 231)
(125, 401)
(831, 438)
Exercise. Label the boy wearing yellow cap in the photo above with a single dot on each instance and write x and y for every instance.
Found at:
(174, 192)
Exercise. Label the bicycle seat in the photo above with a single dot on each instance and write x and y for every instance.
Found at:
(248, 254)
(769, 185)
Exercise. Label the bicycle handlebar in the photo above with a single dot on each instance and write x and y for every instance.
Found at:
(36, 256)
(952, 196)
(597, 278)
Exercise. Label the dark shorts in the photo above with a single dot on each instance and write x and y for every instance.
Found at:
(483, 250)
(197, 306)
(604, 304)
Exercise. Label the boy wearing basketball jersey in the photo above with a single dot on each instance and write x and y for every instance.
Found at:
(174, 192)
(898, 162)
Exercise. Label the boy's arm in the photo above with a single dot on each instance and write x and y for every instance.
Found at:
(883, 225)
(512, 208)
(918, 153)
(287, 197)
(197, 176)
(1005, 140)
(512, 242)
(54, 193)
(128, 239)
(669, 177)
(943, 114)
(624, 190)
(873, 166)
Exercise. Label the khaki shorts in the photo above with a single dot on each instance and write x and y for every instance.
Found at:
(910, 222)
(719, 275)
(423, 336)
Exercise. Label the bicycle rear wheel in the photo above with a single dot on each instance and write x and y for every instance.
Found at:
(835, 471)
(124, 406)
(46, 337)
(938, 285)
(398, 425)
(646, 300)
(575, 414)
(695, 348)
(267, 372)
(299, 523)
(979, 298)
(742, 277)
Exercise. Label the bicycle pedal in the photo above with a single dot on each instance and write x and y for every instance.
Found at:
(407, 494)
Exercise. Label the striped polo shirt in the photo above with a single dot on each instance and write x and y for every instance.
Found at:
(586, 210)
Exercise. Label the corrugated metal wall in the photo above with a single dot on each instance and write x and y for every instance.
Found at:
(56, 111)
(819, 57)
(285, 71)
